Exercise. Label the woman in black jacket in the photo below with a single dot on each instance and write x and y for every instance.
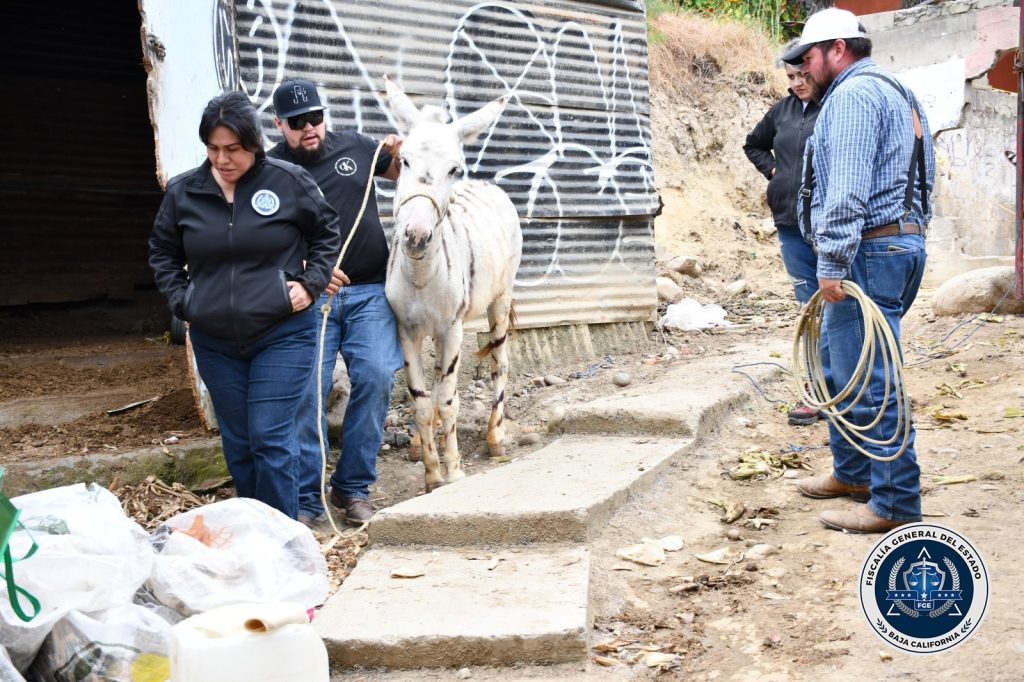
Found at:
(241, 247)
(776, 148)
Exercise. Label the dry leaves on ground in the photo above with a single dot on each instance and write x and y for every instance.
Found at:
(153, 502)
(759, 463)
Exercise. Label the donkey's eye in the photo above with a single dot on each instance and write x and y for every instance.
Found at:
(405, 162)
(456, 172)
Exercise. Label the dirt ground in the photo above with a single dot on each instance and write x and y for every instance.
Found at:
(63, 367)
(790, 615)
(793, 614)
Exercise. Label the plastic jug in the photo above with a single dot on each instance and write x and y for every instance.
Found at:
(250, 643)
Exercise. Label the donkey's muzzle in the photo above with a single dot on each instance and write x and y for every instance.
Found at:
(415, 244)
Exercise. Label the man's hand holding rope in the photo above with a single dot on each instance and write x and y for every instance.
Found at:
(831, 289)
(338, 280)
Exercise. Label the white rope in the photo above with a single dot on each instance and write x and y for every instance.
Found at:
(325, 309)
(809, 373)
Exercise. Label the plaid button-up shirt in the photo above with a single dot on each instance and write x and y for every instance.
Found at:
(862, 141)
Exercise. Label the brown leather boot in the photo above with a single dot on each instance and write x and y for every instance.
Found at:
(826, 486)
(357, 510)
(310, 522)
(859, 520)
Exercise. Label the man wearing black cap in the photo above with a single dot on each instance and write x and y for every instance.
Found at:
(360, 324)
(868, 174)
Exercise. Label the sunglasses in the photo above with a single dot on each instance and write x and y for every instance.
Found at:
(299, 122)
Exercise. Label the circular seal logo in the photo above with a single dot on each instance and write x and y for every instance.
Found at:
(345, 166)
(924, 588)
(265, 202)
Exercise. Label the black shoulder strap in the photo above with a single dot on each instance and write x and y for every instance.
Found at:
(807, 189)
(917, 163)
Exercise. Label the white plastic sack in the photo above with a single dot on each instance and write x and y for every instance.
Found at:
(236, 550)
(123, 644)
(690, 315)
(91, 557)
(8, 673)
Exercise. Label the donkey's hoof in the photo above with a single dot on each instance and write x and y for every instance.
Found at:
(456, 475)
(496, 450)
(415, 453)
(431, 487)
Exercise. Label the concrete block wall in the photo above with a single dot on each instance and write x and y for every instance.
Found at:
(943, 53)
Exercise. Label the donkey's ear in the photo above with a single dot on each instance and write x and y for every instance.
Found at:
(404, 111)
(469, 127)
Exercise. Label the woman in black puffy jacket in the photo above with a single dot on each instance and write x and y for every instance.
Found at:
(241, 247)
(776, 148)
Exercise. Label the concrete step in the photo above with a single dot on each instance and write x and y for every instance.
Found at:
(683, 401)
(470, 605)
(564, 492)
(193, 464)
(468, 608)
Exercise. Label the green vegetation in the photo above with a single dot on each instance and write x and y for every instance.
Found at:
(780, 19)
(655, 8)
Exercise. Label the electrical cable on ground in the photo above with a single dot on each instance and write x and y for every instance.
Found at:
(753, 381)
(813, 360)
(935, 355)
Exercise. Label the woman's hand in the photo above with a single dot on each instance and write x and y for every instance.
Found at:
(300, 298)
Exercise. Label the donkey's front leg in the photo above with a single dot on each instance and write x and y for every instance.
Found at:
(498, 315)
(446, 396)
(422, 408)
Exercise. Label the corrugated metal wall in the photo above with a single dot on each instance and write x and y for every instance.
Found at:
(77, 182)
(572, 148)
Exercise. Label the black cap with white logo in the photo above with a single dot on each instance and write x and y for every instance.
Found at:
(296, 96)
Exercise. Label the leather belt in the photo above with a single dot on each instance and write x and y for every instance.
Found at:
(890, 230)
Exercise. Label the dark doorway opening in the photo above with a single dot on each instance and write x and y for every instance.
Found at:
(78, 184)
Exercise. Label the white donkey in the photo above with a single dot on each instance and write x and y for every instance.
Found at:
(455, 251)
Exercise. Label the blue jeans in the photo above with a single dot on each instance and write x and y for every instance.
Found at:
(362, 328)
(802, 266)
(889, 270)
(800, 260)
(256, 390)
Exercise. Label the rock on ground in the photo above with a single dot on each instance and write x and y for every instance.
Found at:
(668, 290)
(978, 291)
(685, 265)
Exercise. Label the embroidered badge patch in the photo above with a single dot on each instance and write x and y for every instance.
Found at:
(265, 202)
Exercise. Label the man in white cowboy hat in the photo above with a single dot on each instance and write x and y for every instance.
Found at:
(864, 204)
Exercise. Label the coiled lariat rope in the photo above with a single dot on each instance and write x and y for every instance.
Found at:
(325, 309)
(809, 373)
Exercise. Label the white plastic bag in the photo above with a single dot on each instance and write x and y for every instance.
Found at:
(124, 644)
(236, 550)
(690, 315)
(91, 557)
(8, 673)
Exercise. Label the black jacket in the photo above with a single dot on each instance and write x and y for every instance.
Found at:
(240, 256)
(778, 142)
(342, 173)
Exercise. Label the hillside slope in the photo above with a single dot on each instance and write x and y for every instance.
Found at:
(711, 82)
